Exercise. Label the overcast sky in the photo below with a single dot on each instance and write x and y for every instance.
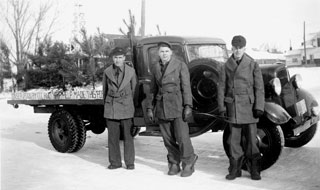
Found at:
(275, 22)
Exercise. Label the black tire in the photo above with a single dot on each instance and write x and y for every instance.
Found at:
(81, 133)
(62, 130)
(270, 142)
(204, 75)
(302, 139)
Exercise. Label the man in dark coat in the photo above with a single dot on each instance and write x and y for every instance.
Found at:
(119, 83)
(171, 93)
(241, 102)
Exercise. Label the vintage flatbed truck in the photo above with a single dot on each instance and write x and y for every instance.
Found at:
(290, 118)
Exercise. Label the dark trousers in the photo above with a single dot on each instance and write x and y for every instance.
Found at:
(175, 134)
(113, 141)
(240, 133)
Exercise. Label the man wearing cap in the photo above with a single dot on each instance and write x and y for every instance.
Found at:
(241, 102)
(119, 83)
(170, 96)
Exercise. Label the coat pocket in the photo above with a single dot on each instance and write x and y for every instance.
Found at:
(251, 98)
(108, 99)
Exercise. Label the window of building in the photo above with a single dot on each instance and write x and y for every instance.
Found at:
(294, 60)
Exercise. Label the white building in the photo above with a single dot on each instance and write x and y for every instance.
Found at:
(296, 56)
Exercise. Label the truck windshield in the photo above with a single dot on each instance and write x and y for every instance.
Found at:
(213, 51)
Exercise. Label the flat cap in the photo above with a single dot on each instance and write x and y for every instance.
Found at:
(118, 51)
(164, 44)
(238, 41)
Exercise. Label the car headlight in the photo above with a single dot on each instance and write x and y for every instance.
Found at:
(315, 110)
(276, 85)
(296, 81)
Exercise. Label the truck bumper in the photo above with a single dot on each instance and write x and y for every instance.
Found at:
(306, 125)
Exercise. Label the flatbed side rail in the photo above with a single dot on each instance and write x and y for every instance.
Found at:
(57, 102)
(57, 97)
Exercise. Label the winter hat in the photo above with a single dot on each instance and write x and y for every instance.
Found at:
(238, 41)
(164, 44)
(118, 51)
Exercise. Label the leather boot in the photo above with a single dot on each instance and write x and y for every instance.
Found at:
(234, 168)
(173, 169)
(255, 167)
(188, 169)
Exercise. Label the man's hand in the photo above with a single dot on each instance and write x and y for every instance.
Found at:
(187, 113)
(150, 114)
(257, 113)
(223, 114)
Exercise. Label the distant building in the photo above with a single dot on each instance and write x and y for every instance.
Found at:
(264, 57)
(296, 56)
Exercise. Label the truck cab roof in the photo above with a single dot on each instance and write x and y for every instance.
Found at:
(180, 39)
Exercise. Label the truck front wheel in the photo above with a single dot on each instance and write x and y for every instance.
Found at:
(270, 141)
(62, 130)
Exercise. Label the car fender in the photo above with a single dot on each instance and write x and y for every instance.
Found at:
(275, 113)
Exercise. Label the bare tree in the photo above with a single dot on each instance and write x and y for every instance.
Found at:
(26, 26)
(4, 62)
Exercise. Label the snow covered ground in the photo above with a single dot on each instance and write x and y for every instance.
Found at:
(28, 161)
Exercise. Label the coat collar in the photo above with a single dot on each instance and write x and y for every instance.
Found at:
(233, 64)
(109, 74)
(170, 67)
(128, 73)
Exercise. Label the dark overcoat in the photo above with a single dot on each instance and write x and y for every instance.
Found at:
(241, 90)
(171, 91)
(118, 100)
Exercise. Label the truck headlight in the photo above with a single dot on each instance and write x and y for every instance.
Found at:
(276, 85)
(315, 110)
(296, 81)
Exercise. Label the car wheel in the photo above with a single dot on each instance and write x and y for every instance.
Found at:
(270, 142)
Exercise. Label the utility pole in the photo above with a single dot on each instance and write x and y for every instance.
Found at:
(304, 43)
(143, 17)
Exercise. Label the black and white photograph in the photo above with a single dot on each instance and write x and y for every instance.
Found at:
(159, 94)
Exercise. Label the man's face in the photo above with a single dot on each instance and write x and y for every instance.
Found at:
(118, 60)
(238, 52)
(165, 54)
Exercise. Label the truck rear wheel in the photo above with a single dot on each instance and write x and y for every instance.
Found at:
(81, 133)
(270, 141)
(62, 130)
(302, 139)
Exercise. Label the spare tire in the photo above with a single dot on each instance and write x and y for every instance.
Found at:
(204, 75)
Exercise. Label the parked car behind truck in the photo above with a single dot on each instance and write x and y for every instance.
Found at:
(290, 118)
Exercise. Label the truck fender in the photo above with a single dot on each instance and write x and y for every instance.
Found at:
(275, 113)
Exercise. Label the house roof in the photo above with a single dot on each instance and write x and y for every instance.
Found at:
(265, 55)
